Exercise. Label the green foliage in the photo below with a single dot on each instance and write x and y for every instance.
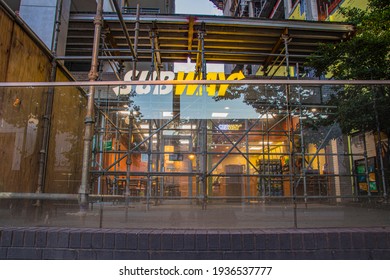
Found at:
(366, 56)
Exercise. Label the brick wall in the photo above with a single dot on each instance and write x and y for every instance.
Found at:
(107, 244)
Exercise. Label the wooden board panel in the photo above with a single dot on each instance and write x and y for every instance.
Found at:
(21, 112)
(5, 42)
(21, 118)
(66, 140)
(27, 62)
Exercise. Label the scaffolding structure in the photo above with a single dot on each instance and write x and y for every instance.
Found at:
(261, 154)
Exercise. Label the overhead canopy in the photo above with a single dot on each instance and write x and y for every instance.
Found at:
(227, 40)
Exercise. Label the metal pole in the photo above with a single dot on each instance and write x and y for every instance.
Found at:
(268, 168)
(153, 66)
(204, 163)
(49, 106)
(124, 28)
(136, 42)
(149, 179)
(128, 161)
(290, 152)
(366, 163)
(204, 69)
(303, 172)
(161, 145)
(381, 165)
(89, 118)
(190, 167)
(286, 38)
(248, 179)
(101, 147)
(352, 170)
(204, 123)
(117, 156)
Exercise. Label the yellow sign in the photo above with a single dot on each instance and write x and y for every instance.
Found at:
(230, 126)
(212, 90)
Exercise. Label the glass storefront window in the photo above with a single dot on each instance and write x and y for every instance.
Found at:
(253, 147)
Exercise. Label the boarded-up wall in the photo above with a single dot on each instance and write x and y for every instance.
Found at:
(22, 112)
(21, 109)
(66, 145)
(5, 45)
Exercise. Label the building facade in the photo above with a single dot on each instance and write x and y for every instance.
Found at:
(160, 137)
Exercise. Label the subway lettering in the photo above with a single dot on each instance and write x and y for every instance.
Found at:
(189, 90)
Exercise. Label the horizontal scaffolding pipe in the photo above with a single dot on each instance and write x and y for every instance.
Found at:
(224, 21)
(88, 58)
(194, 174)
(193, 82)
(95, 197)
(206, 51)
(40, 196)
(231, 153)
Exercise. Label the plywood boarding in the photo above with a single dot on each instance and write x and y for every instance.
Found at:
(66, 140)
(5, 43)
(21, 110)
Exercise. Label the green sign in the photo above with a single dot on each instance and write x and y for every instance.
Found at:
(107, 145)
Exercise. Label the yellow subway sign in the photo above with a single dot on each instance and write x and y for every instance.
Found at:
(190, 90)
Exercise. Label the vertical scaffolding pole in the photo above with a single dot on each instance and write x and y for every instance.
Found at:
(379, 149)
(248, 178)
(128, 162)
(286, 40)
(161, 145)
(49, 105)
(101, 149)
(89, 118)
(98, 152)
(290, 154)
(149, 179)
(131, 116)
(366, 164)
(153, 66)
(136, 42)
(203, 164)
(203, 139)
(190, 168)
(201, 35)
(303, 172)
(353, 171)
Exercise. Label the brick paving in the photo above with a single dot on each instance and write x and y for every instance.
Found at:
(86, 243)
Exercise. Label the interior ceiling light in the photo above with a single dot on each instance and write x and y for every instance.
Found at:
(266, 116)
(255, 148)
(219, 115)
(187, 126)
(167, 114)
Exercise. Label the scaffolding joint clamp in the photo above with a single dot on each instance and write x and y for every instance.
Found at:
(89, 120)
